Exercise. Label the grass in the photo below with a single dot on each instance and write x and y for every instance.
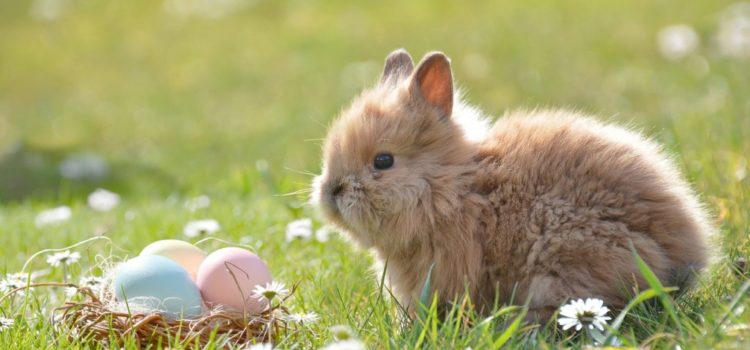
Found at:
(234, 107)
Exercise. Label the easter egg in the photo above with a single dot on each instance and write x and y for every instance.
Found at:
(228, 276)
(183, 253)
(154, 283)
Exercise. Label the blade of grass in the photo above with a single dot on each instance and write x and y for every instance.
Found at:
(656, 285)
(424, 296)
(510, 330)
(422, 323)
(488, 320)
(733, 304)
(615, 327)
(377, 301)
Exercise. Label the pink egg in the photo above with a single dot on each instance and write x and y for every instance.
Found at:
(228, 276)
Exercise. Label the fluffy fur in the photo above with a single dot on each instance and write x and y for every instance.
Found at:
(542, 206)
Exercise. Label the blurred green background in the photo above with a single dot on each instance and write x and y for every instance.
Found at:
(184, 95)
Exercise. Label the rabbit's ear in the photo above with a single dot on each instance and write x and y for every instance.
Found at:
(398, 65)
(434, 81)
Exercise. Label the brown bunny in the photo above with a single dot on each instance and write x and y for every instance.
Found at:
(542, 206)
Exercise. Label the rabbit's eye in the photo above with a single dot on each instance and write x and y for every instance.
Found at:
(383, 161)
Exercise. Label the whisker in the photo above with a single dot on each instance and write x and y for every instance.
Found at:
(317, 121)
(305, 186)
(295, 193)
(301, 172)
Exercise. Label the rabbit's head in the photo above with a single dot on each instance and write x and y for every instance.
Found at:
(395, 163)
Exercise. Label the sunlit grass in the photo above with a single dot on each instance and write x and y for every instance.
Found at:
(235, 106)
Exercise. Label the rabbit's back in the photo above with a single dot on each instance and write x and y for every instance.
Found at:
(570, 194)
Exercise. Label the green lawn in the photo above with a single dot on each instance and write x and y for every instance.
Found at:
(232, 102)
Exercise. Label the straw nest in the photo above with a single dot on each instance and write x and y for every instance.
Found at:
(96, 318)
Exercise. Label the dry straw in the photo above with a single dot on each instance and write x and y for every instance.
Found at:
(96, 319)
(92, 317)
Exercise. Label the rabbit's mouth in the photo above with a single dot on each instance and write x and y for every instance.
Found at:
(342, 203)
(324, 197)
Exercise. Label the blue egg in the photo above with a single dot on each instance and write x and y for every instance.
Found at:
(158, 284)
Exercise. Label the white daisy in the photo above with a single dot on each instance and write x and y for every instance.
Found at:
(349, 344)
(48, 10)
(733, 37)
(212, 9)
(323, 234)
(53, 216)
(305, 318)
(299, 229)
(103, 200)
(6, 323)
(13, 281)
(579, 313)
(130, 215)
(95, 283)
(63, 258)
(201, 227)
(197, 203)
(71, 291)
(260, 346)
(270, 291)
(342, 332)
(678, 41)
(262, 165)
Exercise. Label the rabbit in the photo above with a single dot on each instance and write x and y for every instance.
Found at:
(541, 207)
